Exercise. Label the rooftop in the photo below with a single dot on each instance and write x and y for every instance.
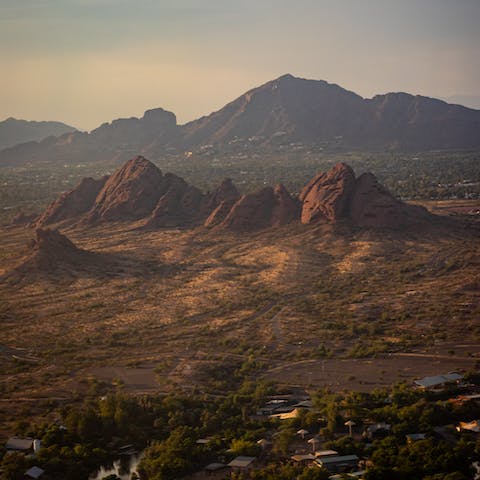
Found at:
(34, 472)
(18, 443)
(472, 426)
(241, 462)
(428, 382)
(337, 459)
(326, 453)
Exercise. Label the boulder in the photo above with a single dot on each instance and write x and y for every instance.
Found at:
(326, 197)
(226, 191)
(131, 193)
(180, 205)
(373, 206)
(265, 208)
(73, 203)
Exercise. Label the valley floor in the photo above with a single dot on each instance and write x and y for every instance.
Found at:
(161, 310)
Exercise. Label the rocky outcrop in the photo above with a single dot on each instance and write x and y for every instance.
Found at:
(220, 202)
(373, 206)
(262, 209)
(251, 212)
(326, 197)
(131, 193)
(50, 250)
(72, 203)
(51, 256)
(180, 205)
(219, 214)
(362, 202)
(285, 208)
(156, 124)
(22, 218)
(139, 191)
(225, 192)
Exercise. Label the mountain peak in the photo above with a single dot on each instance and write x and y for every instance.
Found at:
(284, 113)
(286, 76)
(131, 192)
(15, 131)
(159, 115)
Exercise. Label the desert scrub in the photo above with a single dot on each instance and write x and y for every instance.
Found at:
(363, 349)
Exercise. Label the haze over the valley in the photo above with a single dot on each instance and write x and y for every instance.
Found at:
(87, 62)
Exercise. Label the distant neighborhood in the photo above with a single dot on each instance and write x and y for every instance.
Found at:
(331, 437)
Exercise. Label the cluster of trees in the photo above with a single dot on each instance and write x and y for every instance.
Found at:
(427, 459)
(167, 429)
(82, 441)
(90, 435)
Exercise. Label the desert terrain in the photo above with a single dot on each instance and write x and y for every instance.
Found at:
(157, 311)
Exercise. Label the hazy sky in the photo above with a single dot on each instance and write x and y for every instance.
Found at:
(89, 61)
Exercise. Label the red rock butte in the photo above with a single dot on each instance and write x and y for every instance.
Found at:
(139, 191)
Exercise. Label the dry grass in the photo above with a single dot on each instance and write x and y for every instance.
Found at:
(285, 296)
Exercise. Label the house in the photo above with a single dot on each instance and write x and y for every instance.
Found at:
(303, 458)
(414, 437)
(34, 472)
(304, 404)
(242, 463)
(338, 463)
(273, 406)
(438, 380)
(465, 398)
(19, 444)
(264, 443)
(287, 415)
(202, 441)
(211, 468)
(358, 475)
(378, 430)
(325, 453)
(473, 427)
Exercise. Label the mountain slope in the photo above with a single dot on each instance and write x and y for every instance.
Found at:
(288, 107)
(118, 140)
(291, 109)
(280, 112)
(13, 131)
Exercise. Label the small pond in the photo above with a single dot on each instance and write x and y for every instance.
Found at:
(123, 468)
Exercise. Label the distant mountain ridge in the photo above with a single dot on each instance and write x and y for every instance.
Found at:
(13, 131)
(293, 109)
(283, 112)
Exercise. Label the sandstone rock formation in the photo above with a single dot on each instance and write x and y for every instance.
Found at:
(220, 202)
(22, 218)
(72, 203)
(285, 208)
(139, 191)
(373, 206)
(219, 214)
(265, 208)
(326, 197)
(131, 193)
(180, 205)
(225, 192)
(50, 250)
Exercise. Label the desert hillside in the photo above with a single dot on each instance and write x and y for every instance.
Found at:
(153, 309)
